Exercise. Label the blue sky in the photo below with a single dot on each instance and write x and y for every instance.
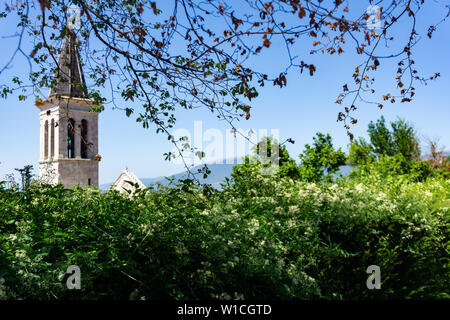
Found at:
(298, 111)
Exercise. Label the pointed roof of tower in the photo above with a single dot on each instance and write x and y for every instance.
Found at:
(69, 76)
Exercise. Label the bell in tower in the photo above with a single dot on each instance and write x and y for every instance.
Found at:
(68, 130)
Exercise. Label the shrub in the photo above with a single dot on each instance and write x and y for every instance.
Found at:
(397, 165)
(269, 238)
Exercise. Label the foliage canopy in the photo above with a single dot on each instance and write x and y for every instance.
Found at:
(150, 58)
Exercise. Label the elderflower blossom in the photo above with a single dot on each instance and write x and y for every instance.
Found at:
(238, 296)
(291, 224)
(334, 187)
(2, 288)
(278, 210)
(21, 254)
(225, 296)
(294, 209)
(146, 228)
(180, 250)
(381, 196)
(254, 225)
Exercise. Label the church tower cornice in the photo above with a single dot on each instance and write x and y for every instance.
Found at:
(66, 101)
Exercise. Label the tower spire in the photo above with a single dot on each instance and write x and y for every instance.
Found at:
(69, 76)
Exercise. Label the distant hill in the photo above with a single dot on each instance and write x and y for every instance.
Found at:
(219, 171)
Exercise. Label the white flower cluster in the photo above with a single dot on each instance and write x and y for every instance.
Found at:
(21, 254)
(181, 249)
(2, 289)
(254, 226)
(147, 228)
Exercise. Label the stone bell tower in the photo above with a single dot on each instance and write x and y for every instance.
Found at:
(68, 131)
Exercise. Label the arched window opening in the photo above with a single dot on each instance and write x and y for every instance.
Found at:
(84, 138)
(71, 139)
(52, 139)
(46, 140)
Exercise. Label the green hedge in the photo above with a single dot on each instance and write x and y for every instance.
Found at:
(276, 238)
